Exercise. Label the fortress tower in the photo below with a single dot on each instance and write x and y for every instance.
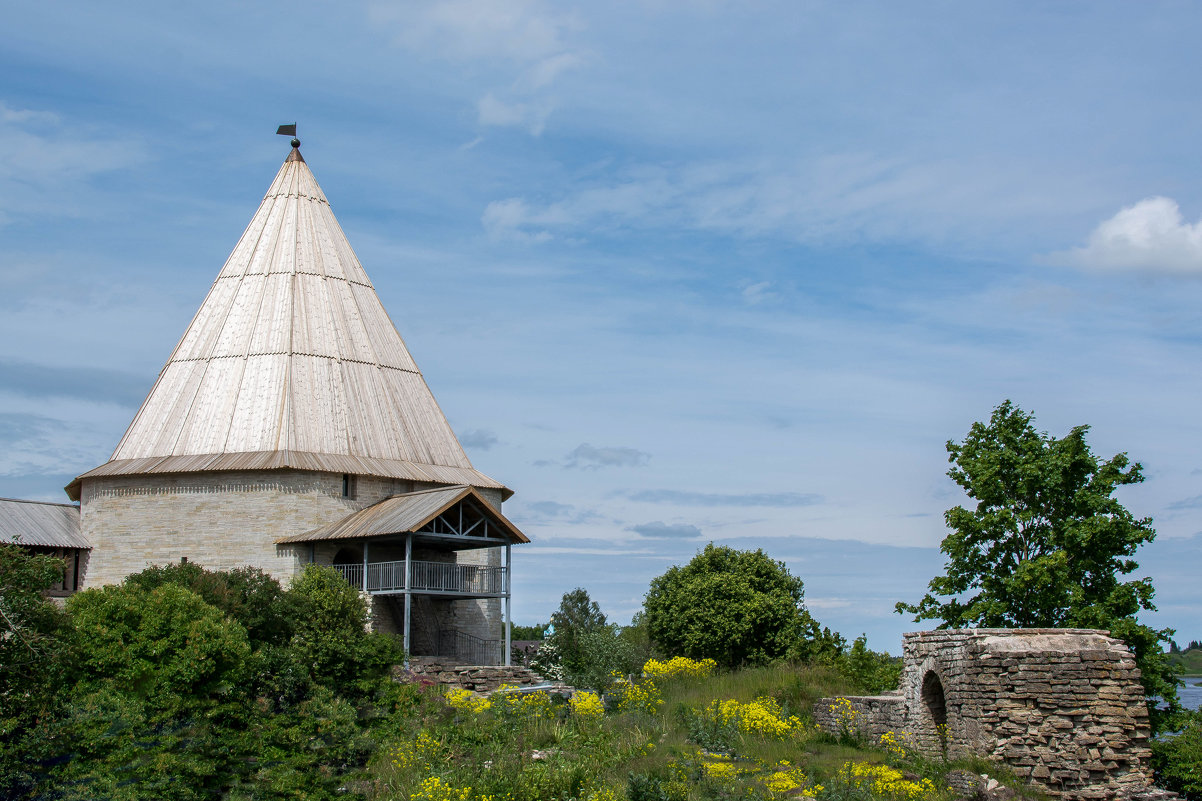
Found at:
(291, 425)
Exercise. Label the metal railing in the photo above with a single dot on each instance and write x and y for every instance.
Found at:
(450, 577)
(352, 573)
(468, 649)
(428, 577)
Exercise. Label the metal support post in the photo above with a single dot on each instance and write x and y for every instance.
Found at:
(508, 607)
(365, 544)
(408, 592)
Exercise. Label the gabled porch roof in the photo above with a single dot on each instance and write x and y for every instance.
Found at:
(418, 513)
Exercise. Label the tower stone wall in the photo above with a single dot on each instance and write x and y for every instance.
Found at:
(223, 520)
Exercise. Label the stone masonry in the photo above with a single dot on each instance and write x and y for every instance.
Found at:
(231, 519)
(1063, 708)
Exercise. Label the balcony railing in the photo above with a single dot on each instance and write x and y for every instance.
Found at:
(429, 577)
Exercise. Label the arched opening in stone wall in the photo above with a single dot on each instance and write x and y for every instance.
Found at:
(348, 556)
(933, 699)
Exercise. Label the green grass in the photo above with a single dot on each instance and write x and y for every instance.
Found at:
(437, 752)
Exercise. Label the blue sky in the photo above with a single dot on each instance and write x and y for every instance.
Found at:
(676, 272)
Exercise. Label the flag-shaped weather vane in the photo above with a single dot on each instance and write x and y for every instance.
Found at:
(289, 129)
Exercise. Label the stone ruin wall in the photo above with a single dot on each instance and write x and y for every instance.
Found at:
(1063, 708)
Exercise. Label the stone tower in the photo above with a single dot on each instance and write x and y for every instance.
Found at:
(290, 404)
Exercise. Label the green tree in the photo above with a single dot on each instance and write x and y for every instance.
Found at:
(159, 694)
(247, 594)
(735, 607)
(577, 616)
(331, 637)
(1177, 760)
(1046, 544)
(35, 656)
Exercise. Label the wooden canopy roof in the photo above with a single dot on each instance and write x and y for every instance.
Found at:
(409, 512)
(291, 361)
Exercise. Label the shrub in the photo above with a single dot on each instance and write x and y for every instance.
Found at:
(331, 635)
(635, 696)
(35, 658)
(735, 607)
(1177, 760)
(679, 666)
(586, 705)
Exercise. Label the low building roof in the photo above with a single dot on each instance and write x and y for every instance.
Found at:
(406, 513)
(48, 525)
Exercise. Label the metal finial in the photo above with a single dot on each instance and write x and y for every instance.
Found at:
(295, 142)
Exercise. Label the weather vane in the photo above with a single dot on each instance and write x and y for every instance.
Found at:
(289, 129)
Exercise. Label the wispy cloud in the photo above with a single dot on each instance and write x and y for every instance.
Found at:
(553, 511)
(525, 44)
(664, 531)
(33, 444)
(684, 498)
(1150, 236)
(827, 198)
(85, 383)
(480, 439)
(42, 158)
(591, 457)
(1186, 503)
(758, 292)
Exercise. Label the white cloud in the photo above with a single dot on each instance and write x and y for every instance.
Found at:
(524, 31)
(590, 457)
(491, 111)
(509, 219)
(44, 164)
(523, 46)
(758, 292)
(828, 198)
(1150, 236)
(661, 530)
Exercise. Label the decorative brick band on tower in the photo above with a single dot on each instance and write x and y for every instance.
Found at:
(1063, 708)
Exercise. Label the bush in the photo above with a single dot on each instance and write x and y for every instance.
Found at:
(735, 607)
(1177, 760)
(35, 656)
(332, 639)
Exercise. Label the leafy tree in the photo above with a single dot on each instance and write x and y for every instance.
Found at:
(248, 595)
(534, 632)
(35, 656)
(1177, 760)
(735, 607)
(331, 637)
(870, 671)
(577, 617)
(607, 653)
(160, 691)
(1046, 544)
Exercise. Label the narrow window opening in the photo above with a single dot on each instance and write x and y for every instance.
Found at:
(183, 560)
(348, 485)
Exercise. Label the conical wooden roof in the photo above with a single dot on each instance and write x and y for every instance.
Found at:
(292, 361)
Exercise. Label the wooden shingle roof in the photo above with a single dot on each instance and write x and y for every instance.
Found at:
(291, 361)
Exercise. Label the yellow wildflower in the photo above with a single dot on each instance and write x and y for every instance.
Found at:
(679, 666)
(586, 704)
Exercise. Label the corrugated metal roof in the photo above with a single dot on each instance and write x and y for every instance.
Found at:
(405, 513)
(51, 525)
(291, 361)
(296, 460)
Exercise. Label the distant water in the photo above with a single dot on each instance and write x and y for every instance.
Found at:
(1191, 693)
